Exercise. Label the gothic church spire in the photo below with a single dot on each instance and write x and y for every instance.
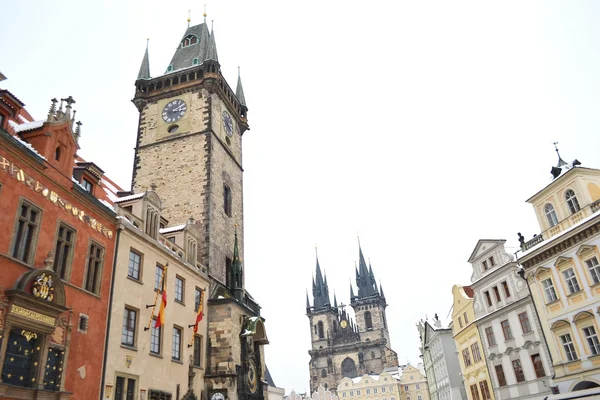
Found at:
(145, 67)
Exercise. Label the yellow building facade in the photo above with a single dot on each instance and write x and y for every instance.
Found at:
(561, 265)
(413, 384)
(469, 347)
(385, 386)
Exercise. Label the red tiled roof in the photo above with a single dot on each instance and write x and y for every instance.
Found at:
(469, 291)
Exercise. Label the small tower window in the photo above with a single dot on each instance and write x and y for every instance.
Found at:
(368, 320)
(227, 200)
(550, 214)
(169, 68)
(572, 201)
(195, 61)
(321, 331)
(189, 40)
(87, 185)
(57, 154)
(323, 373)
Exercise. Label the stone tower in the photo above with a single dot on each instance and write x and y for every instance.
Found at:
(189, 144)
(189, 149)
(341, 348)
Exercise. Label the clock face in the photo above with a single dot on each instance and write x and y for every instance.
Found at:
(252, 377)
(344, 324)
(227, 123)
(174, 110)
(217, 396)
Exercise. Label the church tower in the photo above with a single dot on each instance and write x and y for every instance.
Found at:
(189, 144)
(189, 149)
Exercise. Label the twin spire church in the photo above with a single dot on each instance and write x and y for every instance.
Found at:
(342, 347)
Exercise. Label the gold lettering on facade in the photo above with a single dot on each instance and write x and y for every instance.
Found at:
(53, 197)
(74, 210)
(38, 187)
(21, 175)
(45, 192)
(32, 315)
(4, 163)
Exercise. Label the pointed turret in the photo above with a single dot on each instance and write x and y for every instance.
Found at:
(335, 301)
(352, 297)
(211, 52)
(239, 90)
(236, 271)
(320, 290)
(307, 302)
(145, 67)
(192, 49)
(365, 278)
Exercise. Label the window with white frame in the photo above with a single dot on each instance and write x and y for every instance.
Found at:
(568, 346)
(592, 339)
(594, 269)
(571, 280)
(572, 201)
(549, 290)
(179, 289)
(550, 214)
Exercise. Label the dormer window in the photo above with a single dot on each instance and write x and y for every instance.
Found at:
(169, 68)
(550, 214)
(87, 185)
(572, 201)
(189, 41)
(195, 61)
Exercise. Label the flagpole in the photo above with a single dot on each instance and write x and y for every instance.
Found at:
(162, 279)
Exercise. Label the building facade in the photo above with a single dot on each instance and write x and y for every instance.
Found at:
(385, 386)
(57, 241)
(513, 343)
(413, 384)
(340, 347)
(469, 347)
(142, 357)
(561, 265)
(440, 362)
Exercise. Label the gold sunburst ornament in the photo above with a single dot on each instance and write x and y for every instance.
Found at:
(29, 335)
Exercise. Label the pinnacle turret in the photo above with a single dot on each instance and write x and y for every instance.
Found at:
(239, 91)
(145, 67)
(320, 290)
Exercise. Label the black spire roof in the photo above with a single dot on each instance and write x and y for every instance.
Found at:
(196, 48)
(239, 91)
(320, 290)
(145, 67)
(365, 279)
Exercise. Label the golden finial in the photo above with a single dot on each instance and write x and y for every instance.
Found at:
(204, 13)
(189, 17)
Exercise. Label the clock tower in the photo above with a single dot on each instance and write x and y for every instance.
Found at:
(189, 149)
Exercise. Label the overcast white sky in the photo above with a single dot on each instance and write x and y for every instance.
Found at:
(420, 126)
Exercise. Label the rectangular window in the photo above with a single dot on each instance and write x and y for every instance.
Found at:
(466, 357)
(474, 392)
(488, 298)
(571, 280)
(492, 261)
(87, 185)
(197, 351)
(63, 251)
(460, 322)
(489, 333)
(568, 346)
(497, 293)
(176, 352)
(506, 330)
(518, 370)
(549, 290)
(592, 339)
(125, 388)
(406, 388)
(525, 326)
(383, 389)
(135, 261)
(158, 276)
(594, 269)
(155, 338)
(485, 390)
(505, 287)
(227, 200)
(94, 268)
(500, 375)
(129, 325)
(475, 351)
(26, 232)
(374, 390)
(368, 391)
(179, 289)
(466, 319)
(197, 296)
(538, 366)
(485, 266)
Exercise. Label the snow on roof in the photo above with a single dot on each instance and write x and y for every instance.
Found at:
(111, 196)
(130, 197)
(30, 147)
(172, 229)
(109, 185)
(26, 126)
(107, 204)
(553, 238)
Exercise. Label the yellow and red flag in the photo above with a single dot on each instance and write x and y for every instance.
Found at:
(200, 311)
(160, 319)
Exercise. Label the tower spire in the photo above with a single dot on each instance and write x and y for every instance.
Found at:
(561, 162)
(144, 72)
(211, 52)
(239, 91)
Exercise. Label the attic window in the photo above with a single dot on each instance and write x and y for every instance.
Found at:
(169, 68)
(189, 40)
(87, 185)
(195, 61)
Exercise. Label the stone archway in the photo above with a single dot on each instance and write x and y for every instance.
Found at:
(585, 385)
(349, 368)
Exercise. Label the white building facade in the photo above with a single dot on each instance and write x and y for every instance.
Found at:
(513, 342)
(440, 361)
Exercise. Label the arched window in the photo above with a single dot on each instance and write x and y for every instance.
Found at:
(368, 320)
(58, 152)
(195, 61)
(550, 214)
(189, 40)
(572, 201)
(323, 373)
(321, 331)
(372, 355)
(349, 368)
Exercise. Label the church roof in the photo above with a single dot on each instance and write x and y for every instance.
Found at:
(184, 55)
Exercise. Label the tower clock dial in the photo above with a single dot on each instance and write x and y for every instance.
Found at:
(343, 324)
(174, 110)
(252, 377)
(227, 123)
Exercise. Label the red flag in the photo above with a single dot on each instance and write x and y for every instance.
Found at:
(160, 319)
(200, 313)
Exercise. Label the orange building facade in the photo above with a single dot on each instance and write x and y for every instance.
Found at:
(57, 243)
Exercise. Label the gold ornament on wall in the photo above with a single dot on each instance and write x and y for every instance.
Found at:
(29, 335)
(128, 361)
(43, 287)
